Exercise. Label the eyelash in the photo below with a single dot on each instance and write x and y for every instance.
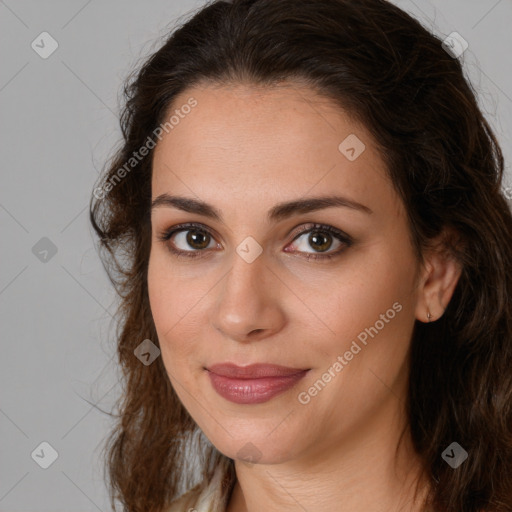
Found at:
(322, 228)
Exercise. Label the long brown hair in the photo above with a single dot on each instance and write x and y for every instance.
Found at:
(389, 72)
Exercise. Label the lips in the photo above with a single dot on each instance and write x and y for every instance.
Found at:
(253, 371)
(252, 384)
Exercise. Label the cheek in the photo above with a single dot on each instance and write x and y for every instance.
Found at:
(370, 301)
(177, 312)
(166, 298)
(372, 318)
(161, 300)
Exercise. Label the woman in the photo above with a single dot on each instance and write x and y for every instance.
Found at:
(307, 231)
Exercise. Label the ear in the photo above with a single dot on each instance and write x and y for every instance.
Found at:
(438, 279)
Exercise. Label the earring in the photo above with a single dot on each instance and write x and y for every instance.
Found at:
(429, 316)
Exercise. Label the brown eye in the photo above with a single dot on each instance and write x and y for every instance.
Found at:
(188, 240)
(316, 241)
(319, 241)
(197, 239)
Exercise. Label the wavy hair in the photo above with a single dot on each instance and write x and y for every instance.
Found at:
(386, 70)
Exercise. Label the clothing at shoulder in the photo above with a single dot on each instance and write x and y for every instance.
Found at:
(206, 498)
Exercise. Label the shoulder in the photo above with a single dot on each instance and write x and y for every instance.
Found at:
(207, 497)
(187, 501)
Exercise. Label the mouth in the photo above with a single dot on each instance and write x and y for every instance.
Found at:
(253, 384)
(253, 371)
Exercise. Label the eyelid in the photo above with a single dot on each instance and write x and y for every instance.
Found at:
(185, 226)
(315, 226)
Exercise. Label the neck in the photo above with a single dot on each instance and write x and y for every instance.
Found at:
(361, 473)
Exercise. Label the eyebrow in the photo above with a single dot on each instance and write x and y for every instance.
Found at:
(278, 212)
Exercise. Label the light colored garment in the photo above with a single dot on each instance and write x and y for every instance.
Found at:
(207, 498)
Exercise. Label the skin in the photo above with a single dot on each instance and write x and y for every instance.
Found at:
(243, 149)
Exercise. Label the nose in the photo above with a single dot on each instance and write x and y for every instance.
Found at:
(248, 305)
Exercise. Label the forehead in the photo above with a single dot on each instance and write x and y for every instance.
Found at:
(250, 120)
(265, 142)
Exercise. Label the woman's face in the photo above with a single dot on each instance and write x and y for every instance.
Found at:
(253, 292)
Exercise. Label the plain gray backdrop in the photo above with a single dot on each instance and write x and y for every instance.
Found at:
(59, 118)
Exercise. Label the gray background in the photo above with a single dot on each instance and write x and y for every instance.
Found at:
(59, 125)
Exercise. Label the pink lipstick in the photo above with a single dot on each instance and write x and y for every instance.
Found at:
(252, 384)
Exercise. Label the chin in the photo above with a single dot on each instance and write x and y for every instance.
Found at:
(257, 448)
